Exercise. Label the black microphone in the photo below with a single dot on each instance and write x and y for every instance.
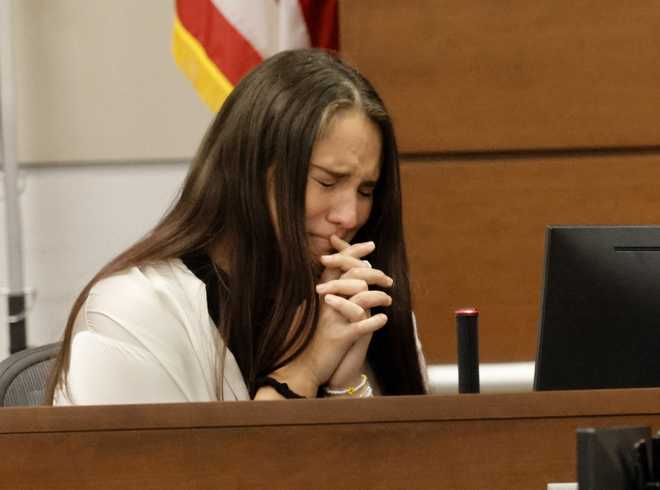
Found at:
(467, 333)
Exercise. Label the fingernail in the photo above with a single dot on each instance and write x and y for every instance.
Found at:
(325, 257)
(391, 281)
(320, 288)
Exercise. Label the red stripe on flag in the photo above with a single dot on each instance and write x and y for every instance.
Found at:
(224, 45)
(321, 19)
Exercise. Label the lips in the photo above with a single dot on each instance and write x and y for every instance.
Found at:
(346, 238)
(320, 244)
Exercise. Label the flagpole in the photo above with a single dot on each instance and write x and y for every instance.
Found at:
(16, 294)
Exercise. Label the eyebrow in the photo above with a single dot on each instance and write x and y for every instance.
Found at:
(339, 175)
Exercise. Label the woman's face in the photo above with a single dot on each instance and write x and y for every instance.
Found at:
(343, 171)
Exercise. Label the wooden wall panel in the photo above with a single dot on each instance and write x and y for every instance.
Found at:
(473, 75)
(476, 228)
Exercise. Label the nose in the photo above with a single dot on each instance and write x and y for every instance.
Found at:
(344, 212)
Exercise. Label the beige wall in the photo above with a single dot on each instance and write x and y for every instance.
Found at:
(96, 81)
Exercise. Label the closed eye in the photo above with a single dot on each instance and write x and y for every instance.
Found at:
(325, 183)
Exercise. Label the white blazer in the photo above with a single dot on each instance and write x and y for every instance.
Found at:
(145, 336)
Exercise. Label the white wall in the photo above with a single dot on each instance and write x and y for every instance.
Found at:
(106, 126)
(75, 219)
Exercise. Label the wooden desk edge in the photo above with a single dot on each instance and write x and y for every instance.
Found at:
(305, 412)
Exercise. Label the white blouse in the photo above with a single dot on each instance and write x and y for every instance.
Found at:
(145, 336)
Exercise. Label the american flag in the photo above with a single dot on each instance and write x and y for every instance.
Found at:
(216, 42)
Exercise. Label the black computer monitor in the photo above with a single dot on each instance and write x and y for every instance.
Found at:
(607, 457)
(600, 310)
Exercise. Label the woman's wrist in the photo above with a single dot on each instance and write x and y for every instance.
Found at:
(298, 379)
(267, 393)
(360, 389)
(355, 380)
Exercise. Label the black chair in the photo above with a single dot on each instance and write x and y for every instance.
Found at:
(23, 375)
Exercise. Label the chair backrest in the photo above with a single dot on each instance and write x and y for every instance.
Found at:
(23, 375)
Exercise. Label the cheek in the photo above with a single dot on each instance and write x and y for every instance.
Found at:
(314, 204)
(363, 213)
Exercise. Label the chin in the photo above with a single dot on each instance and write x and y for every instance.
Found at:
(317, 268)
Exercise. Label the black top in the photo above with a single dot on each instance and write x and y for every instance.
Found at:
(200, 264)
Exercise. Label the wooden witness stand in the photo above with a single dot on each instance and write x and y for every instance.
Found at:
(509, 118)
(466, 442)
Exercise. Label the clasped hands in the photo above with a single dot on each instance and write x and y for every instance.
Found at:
(336, 353)
(345, 287)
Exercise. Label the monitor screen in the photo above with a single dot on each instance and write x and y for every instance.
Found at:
(600, 309)
(606, 457)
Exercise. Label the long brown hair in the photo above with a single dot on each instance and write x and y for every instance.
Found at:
(268, 125)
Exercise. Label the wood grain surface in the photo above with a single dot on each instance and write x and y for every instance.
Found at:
(477, 75)
(475, 232)
(500, 442)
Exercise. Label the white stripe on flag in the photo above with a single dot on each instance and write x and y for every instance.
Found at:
(269, 26)
(293, 31)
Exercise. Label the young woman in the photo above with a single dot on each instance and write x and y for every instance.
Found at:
(280, 271)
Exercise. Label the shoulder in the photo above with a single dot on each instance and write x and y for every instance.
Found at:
(144, 335)
(161, 306)
(420, 356)
(148, 292)
(169, 279)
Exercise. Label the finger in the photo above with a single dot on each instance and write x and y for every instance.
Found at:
(338, 243)
(349, 310)
(342, 287)
(373, 277)
(357, 250)
(333, 267)
(371, 299)
(341, 262)
(330, 274)
(371, 324)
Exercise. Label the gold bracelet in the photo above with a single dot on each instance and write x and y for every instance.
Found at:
(351, 390)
